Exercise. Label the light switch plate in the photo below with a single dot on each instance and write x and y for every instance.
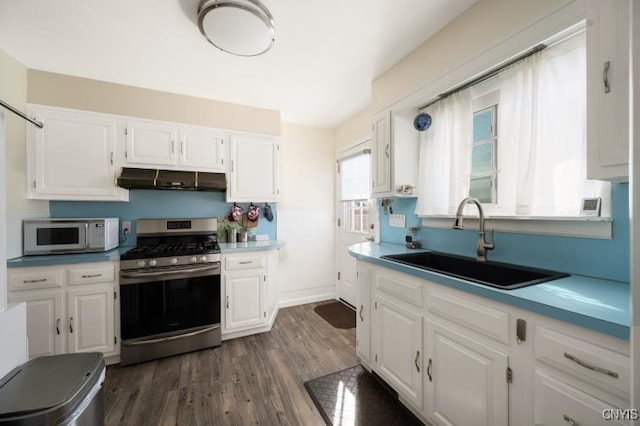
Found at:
(397, 220)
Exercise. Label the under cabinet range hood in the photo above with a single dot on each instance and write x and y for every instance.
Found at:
(132, 178)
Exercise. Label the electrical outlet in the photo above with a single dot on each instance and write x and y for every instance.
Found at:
(397, 220)
(126, 226)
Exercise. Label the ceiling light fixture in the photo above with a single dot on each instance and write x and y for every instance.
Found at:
(239, 27)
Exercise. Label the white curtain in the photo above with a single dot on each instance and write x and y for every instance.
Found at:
(541, 145)
(543, 113)
(445, 156)
(355, 177)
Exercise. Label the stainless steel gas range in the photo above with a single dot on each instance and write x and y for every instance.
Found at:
(170, 289)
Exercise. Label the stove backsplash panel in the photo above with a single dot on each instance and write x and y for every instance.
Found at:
(153, 204)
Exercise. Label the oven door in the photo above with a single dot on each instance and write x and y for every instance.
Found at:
(169, 302)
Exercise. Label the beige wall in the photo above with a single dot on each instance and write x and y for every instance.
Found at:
(93, 95)
(13, 90)
(478, 29)
(356, 128)
(306, 215)
(482, 26)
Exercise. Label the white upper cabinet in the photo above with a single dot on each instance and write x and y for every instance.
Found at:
(168, 145)
(395, 155)
(72, 157)
(151, 143)
(608, 89)
(255, 165)
(202, 148)
(382, 153)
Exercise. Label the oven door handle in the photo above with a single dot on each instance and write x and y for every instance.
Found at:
(168, 272)
(168, 339)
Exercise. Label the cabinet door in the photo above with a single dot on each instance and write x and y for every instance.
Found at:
(150, 144)
(608, 89)
(45, 330)
(244, 301)
(559, 404)
(398, 348)
(91, 318)
(255, 166)
(363, 324)
(382, 153)
(466, 380)
(72, 156)
(202, 149)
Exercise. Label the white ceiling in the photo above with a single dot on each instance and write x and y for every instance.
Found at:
(319, 72)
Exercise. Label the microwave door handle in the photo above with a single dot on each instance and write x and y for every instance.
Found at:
(86, 235)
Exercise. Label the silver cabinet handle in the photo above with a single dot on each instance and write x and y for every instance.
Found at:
(416, 361)
(361, 317)
(41, 280)
(429, 370)
(591, 367)
(605, 77)
(246, 262)
(92, 276)
(227, 302)
(570, 420)
(71, 325)
(58, 326)
(386, 150)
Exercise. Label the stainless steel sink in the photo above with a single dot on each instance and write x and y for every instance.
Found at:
(494, 274)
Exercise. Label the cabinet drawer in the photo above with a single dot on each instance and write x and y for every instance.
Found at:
(401, 287)
(475, 316)
(558, 403)
(90, 274)
(33, 278)
(245, 262)
(592, 363)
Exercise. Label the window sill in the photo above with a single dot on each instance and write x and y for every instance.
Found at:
(580, 227)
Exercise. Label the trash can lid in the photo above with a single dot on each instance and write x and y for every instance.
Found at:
(48, 382)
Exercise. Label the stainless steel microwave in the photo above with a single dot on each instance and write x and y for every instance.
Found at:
(49, 236)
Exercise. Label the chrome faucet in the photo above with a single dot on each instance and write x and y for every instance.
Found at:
(483, 245)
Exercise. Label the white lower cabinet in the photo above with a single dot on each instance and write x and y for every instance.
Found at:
(457, 359)
(66, 314)
(466, 380)
(245, 302)
(44, 320)
(363, 318)
(397, 335)
(91, 318)
(558, 403)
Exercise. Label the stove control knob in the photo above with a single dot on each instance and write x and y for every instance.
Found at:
(141, 263)
(174, 261)
(153, 262)
(203, 259)
(193, 259)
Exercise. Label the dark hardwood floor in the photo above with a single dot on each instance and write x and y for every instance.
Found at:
(251, 380)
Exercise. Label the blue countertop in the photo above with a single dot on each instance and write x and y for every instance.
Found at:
(597, 304)
(114, 255)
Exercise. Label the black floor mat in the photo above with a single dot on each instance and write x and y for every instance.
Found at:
(337, 314)
(356, 397)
